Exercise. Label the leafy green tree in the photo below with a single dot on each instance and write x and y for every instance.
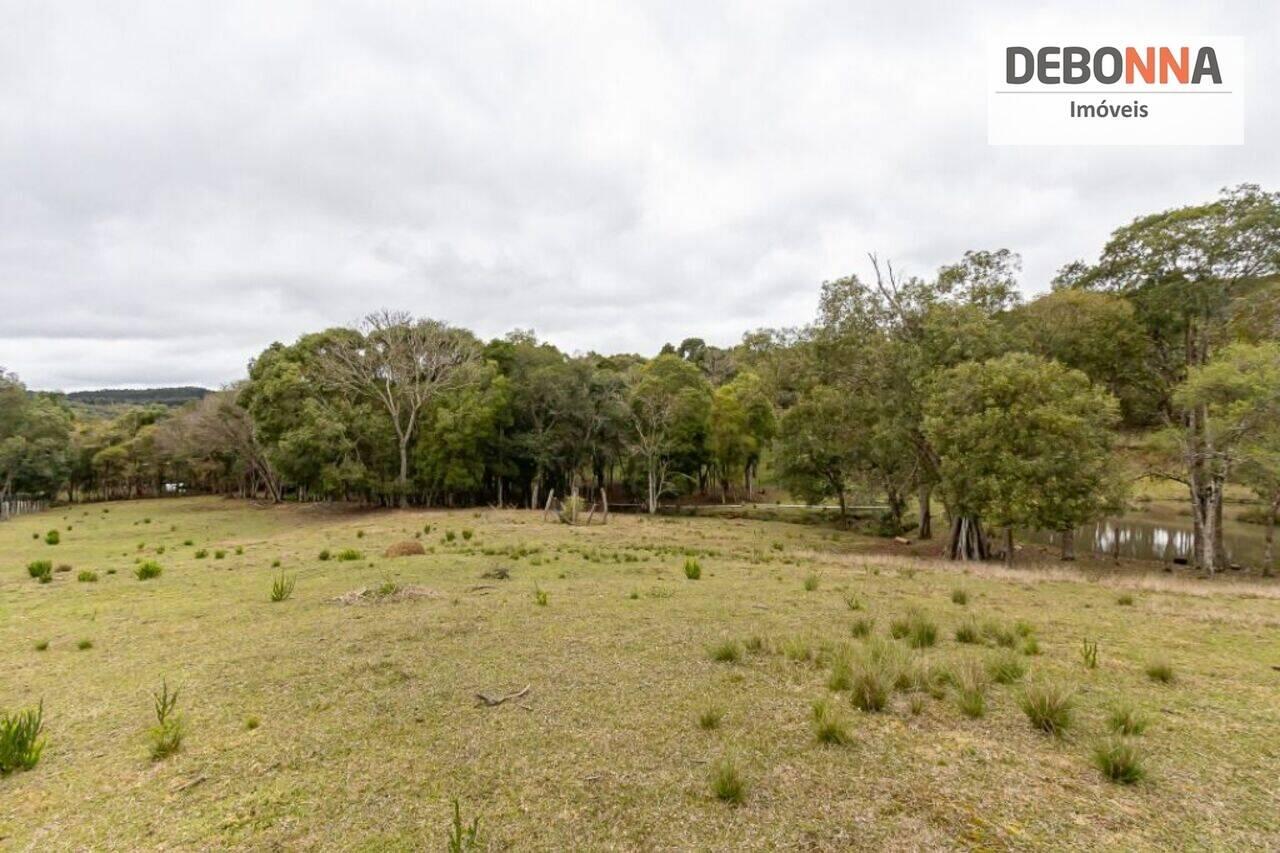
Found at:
(35, 436)
(1022, 442)
(742, 425)
(815, 450)
(669, 404)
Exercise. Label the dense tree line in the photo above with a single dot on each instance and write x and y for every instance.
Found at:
(908, 391)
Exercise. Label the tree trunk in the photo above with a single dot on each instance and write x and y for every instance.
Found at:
(967, 541)
(1069, 544)
(653, 489)
(925, 496)
(404, 473)
(1008, 546)
(1269, 554)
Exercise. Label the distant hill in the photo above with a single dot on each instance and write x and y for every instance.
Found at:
(138, 396)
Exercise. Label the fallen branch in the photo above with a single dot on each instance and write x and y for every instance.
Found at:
(491, 701)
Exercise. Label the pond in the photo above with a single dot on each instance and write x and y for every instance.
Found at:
(1161, 530)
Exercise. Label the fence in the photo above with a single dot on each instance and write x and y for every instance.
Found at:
(15, 508)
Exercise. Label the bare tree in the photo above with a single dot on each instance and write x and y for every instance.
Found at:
(400, 364)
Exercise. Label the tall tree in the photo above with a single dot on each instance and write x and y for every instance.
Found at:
(670, 404)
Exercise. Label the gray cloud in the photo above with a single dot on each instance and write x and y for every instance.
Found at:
(181, 184)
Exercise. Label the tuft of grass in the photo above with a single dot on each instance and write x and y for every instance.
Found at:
(1006, 667)
(148, 570)
(959, 596)
(841, 677)
(449, 536)
(811, 581)
(1031, 646)
(727, 783)
(52, 537)
(42, 645)
(84, 645)
(1089, 653)
(1124, 600)
(968, 632)
(726, 651)
(467, 533)
(20, 740)
(797, 649)
(828, 727)
(252, 723)
(918, 630)
(1119, 760)
(539, 596)
(1161, 671)
(87, 576)
(692, 569)
(1124, 719)
(970, 681)
(219, 554)
(169, 730)
(323, 555)
(852, 601)
(1048, 706)
(239, 550)
(463, 838)
(872, 684)
(41, 570)
(282, 587)
(862, 627)
(347, 555)
(1000, 634)
(711, 718)
(201, 553)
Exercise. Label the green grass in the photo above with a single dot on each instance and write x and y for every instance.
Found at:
(1119, 759)
(369, 728)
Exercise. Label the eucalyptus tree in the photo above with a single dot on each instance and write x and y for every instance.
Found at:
(669, 407)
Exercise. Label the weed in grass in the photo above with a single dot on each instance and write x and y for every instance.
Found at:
(811, 581)
(20, 740)
(1119, 760)
(828, 727)
(1089, 653)
(52, 538)
(41, 570)
(539, 596)
(727, 783)
(148, 570)
(959, 596)
(710, 718)
(1124, 719)
(463, 838)
(726, 651)
(201, 553)
(1006, 667)
(1124, 600)
(1161, 671)
(347, 555)
(872, 684)
(862, 627)
(323, 555)
(169, 730)
(1048, 705)
(42, 645)
(282, 587)
(467, 533)
(87, 576)
(84, 645)
(252, 723)
(692, 569)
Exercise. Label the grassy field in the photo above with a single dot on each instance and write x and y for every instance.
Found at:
(334, 720)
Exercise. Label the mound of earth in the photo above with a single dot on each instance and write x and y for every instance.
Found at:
(407, 548)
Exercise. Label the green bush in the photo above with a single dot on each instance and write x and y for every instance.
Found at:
(52, 538)
(41, 570)
(20, 740)
(149, 569)
(727, 783)
(282, 587)
(347, 555)
(84, 645)
(87, 576)
(1161, 671)
(1119, 760)
(539, 596)
(692, 569)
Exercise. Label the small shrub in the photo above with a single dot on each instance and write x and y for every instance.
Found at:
(1161, 671)
(41, 570)
(811, 581)
(467, 533)
(727, 783)
(463, 838)
(828, 727)
(282, 587)
(1124, 600)
(52, 538)
(167, 733)
(710, 718)
(539, 596)
(1048, 705)
(1124, 719)
(347, 555)
(692, 569)
(148, 570)
(1006, 667)
(1089, 653)
(87, 576)
(449, 536)
(84, 645)
(42, 645)
(219, 554)
(324, 555)
(359, 534)
(187, 543)
(239, 550)
(726, 651)
(862, 627)
(201, 553)
(959, 596)
(1119, 760)
(20, 741)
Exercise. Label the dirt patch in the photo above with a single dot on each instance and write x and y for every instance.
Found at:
(386, 594)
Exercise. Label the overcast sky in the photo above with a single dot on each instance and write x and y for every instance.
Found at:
(182, 184)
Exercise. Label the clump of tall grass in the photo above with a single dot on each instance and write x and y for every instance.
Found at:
(692, 569)
(917, 629)
(811, 581)
(467, 533)
(959, 596)
(463, 838)
(726, 651)
(324, 555)
(1048, 706)
(970, 681)
(169, 730)
(540, 596)
(201, 553)
(1125, 599)
(1124, 719)
(968, 632)
(148, 570)
(219, 554)
(841, 677)
(852, 601)
(1006, 667)
(86, 576)
(710, 718)
(449, 536)
(862, 626)
(1161, 671)
(84, 645)
(727, 783)
(347, 555)
(797, 648)
(41, 570)
(1000, 634)
(828, 727)
(1089, 653)
(875, 675)
(20, 740)
(1119, 760)
(282, 587)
